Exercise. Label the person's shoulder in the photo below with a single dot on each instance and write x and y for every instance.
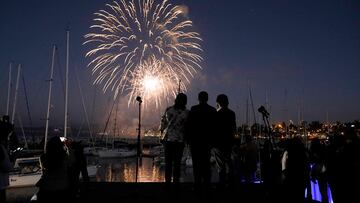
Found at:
(169, 108)
(213, 109)
(195, 107)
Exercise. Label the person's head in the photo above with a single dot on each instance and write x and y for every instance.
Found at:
(55, 153)
(203, 97)
(180, 101)
(222, 100)
(6, 119)
(55, 146)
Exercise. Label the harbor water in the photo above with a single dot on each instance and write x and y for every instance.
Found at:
(124, 170)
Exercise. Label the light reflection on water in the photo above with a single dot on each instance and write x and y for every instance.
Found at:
(124, 170)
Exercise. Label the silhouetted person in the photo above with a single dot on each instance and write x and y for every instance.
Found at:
(54, 183)
(295, 170)
(271, 169)
(345, 178)
(5, 167)
(77, 166)
(334, 151)
(265, 158)
(319, 169)
(6, 130)
(200, 133)
(250, 159)
(12, 141)
(172, 129)
(224, 139)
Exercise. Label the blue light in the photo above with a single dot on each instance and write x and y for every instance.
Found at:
(315, 192)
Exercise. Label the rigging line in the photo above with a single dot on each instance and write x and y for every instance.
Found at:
(83, 104)
(80, 128)
(27, 100)
(23, 132)
(28, 110)
(252, 104)
(108, 119)
(93, 106)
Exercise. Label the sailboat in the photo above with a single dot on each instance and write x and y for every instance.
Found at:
(116, 152)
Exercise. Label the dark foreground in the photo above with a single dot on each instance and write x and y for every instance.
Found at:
(156, 192)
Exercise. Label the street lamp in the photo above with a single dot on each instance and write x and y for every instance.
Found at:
(138, 154)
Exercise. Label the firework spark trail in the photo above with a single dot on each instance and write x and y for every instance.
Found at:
(135, 39)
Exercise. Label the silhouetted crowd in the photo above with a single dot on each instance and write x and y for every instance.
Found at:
(287, 169)
(205, 130)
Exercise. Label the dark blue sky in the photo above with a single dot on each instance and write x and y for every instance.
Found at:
(298, 53)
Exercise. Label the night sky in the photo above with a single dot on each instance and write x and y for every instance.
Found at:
(296, 55)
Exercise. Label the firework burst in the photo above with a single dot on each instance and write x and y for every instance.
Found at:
(154, 80)
(144, 48)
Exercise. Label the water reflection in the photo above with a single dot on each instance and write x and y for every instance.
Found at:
(124, 170)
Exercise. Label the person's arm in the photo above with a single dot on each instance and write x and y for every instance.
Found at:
(234, 124)
(163, 122)
(84, 172)
(163, 125)
(284, 161)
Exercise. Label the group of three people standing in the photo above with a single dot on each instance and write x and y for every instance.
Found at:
(204, 129)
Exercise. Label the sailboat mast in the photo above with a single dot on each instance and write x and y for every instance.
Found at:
(9, 90)
(49, 95)
(16, 92)
(66, 81)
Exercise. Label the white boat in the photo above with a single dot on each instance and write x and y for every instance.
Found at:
(27, 172)
(24, 180)
(117, 153)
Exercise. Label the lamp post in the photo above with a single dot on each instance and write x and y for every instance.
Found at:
(138, 154)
